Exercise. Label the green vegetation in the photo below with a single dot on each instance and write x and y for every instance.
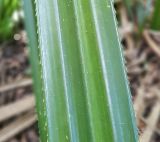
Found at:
(156, 16)
(80, 81)
(139, 12)
(7, 24)
(30, 23)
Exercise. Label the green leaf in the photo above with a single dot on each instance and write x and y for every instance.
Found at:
(129, 4)
(30, 22)
(81, 84)
(138, 12)
(7, 24)
(143, 11)
(155, 25)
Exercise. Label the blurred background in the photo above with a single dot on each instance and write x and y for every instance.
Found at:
(139, 30)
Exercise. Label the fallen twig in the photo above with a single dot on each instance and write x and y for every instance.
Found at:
(17, 126)
(151, 43)
(151, 125)
(17, 84)
(17, 107)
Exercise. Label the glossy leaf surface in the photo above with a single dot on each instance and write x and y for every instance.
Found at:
(84, 91)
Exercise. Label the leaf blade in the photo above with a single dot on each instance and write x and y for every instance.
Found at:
(84, 82)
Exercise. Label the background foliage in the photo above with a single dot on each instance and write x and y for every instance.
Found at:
(8, 17)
